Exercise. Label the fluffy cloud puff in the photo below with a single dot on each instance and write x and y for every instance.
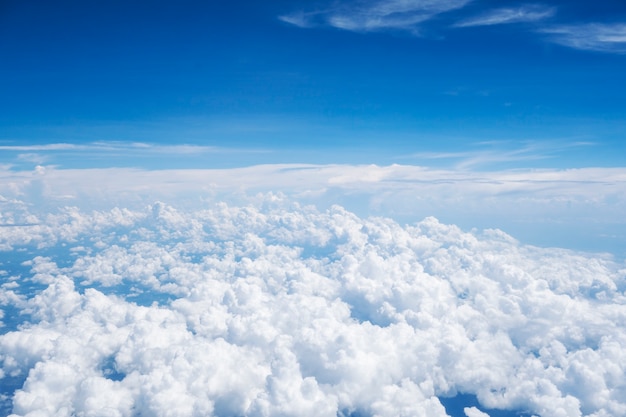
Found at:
(284, 310)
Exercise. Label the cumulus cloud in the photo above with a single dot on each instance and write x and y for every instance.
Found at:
(474, 412)
(281, 309)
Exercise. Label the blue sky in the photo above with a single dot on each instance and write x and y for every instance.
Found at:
(422, 82)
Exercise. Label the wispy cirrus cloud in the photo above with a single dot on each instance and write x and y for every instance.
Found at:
(409, 15)
(523, 14)
(39, 148)
(106, 153)
(473, 160)
(378, 15)
(496, 152)
(303, 19)
(599, 37)
(107, 146)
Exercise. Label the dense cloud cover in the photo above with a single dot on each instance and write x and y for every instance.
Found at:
(279, 309)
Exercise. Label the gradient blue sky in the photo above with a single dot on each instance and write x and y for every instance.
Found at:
(510, 84)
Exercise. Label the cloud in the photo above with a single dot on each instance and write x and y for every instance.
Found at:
(281, 309)
(45, 147)
(578, 208)
(295, 179)
(407, 15)
(493, 152)
(108, 147)
(474, 412)
(301, 19)
(523, 14)
(599, 37)
(376, 15)
(32, 157)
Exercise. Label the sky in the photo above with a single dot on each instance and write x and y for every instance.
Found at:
(320, 82)
(312, 208)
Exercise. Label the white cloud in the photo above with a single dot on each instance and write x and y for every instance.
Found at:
(407, 15)
(491, 153)
(474, 412)
(377, 15)
(279, 309)
(600, 37)
(301, 19)
(106, 147)
(32, 157)
(302, 178)
(527, 13)
(45, 147)
(534, 203)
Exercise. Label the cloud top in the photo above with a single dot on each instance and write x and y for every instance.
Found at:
(281, 309)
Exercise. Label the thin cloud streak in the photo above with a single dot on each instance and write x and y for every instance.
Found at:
(599, 37)
(408, 15)
(524, 14)
(394, 14)
(46, 147)
(300, 19)
(531, 151)
(109, 146)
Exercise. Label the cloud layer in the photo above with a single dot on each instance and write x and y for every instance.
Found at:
(574, 206)
(282, 309)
